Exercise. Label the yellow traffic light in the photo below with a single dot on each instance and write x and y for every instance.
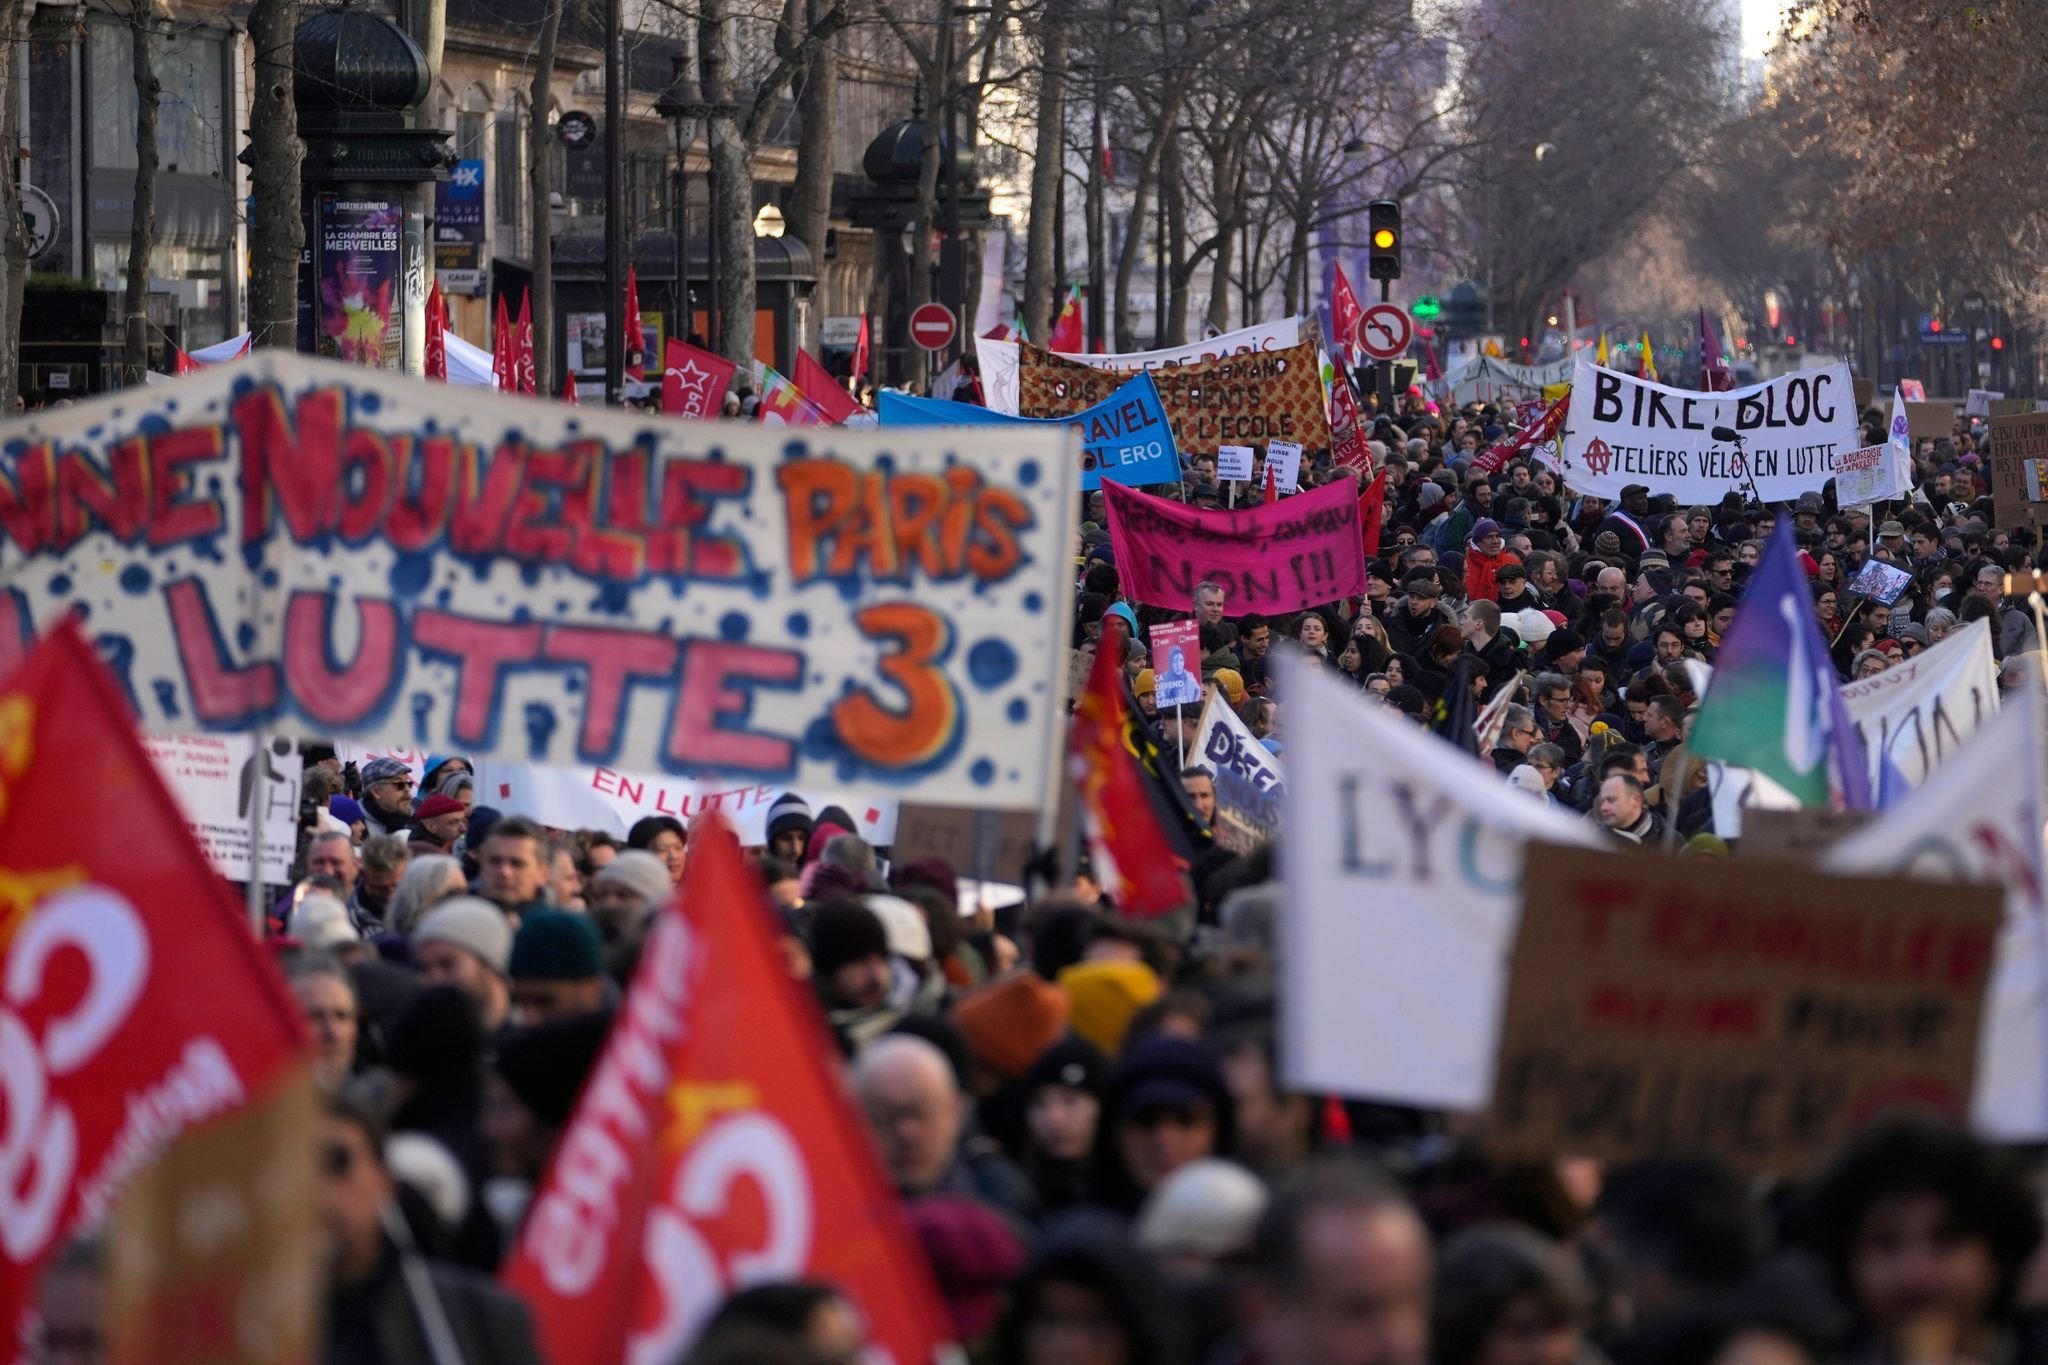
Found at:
(1383, 240)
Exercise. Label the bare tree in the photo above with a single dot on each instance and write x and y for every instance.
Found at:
(13, 228)
(142, 225)
(810, 205)
(275, 156)
(539, 204)
(1043, 226)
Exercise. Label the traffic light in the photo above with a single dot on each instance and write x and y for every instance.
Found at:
(1791, 340)
(1998, 343)
(1383, 233)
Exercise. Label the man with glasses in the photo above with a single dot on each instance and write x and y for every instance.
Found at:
(387, 796)
(1552, 715)
(1518, 736)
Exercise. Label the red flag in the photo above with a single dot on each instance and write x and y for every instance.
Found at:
(1067, 329)
(860, 350)
(1134, 858)
(437, 333)
(1716, 375)
(635, 339)
(522, 354)
(182, 363)
(816, 383)
(1345, 310)
(694, 381)
(501, 350)
(1372, 510)
(569, 390)
(714, 1147)
(109, 914)
(1541, 431)
(1350, 444)
(1272, 480)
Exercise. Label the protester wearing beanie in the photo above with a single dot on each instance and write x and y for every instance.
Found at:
(1008, 1023)
(467, 942)
(556, 967)
(850, 966)
(626, 892)
(1104, 996)
(541, 1071)
(1061, 1094)
(789, 828)
(1165, 1105)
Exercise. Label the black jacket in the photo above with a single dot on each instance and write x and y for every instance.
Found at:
(378, 1323)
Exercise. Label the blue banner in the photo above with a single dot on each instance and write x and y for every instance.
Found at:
(1125, 438)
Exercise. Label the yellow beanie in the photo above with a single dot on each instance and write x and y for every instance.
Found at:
(1105, 995)
(1144, 685)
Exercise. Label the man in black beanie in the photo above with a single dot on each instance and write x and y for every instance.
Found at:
(536, 1076)
(851, 969)
(789, 828)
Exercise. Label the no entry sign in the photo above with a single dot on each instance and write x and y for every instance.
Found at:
(931, 326)
(1384, 331)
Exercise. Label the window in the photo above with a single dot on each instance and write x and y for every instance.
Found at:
(469, 136)
(191, 133)
(510, 173)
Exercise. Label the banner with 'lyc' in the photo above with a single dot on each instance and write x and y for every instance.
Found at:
(289, 544)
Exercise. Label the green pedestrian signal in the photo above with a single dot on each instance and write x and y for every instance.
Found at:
(1426, 307)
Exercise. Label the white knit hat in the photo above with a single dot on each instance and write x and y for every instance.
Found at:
(1207, 1208)
(472, 924)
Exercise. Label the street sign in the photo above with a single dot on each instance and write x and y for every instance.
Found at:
(1385, 330)
(932, 326)
(39, 212)
(576, 129)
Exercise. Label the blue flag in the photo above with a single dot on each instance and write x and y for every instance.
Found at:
(1775, 704)
(1125, 438)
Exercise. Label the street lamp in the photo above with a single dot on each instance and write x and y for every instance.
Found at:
(769, 222)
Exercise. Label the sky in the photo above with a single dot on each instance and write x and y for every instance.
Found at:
(1760, 20)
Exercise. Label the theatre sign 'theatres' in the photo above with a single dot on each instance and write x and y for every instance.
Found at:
(293, 544)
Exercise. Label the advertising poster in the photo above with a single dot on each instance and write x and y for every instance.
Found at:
(359, 318)
(459, 230)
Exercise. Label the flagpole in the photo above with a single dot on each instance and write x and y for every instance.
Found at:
(253, 892)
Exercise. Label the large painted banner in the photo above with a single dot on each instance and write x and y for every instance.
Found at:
(1622, 430)
(1280, 556)
(1124, 438)
(291, 544)
(1000, 361)
(1486, 379)
(1247, 399)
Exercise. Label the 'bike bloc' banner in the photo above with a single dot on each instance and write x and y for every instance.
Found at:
(291, 544)
(1621, 430)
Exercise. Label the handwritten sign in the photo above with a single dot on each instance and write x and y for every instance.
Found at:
(213, 780)
(1929, 421)
(1124, 438)
(1864, 476)
(1233, 462)
(1285, 458)
(2019, 448)
(1979, 402)
(1258, 397)
(1277, 557)
(286, 544)
(1761, 1015)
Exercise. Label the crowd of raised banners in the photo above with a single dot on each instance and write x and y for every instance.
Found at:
(1013, 874)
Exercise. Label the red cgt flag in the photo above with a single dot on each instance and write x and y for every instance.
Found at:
(1372, 511)
(437, 333)
(694, 381)
(635, 339)
(713, 1148)
(816, 383)
(522, 346)
(1345, 311)
(502, 350)
(1132, 852)
(109, 915)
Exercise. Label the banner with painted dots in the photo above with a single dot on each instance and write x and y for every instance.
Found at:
(291, 544)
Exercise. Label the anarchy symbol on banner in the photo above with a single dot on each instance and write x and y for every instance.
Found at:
(1599, 456)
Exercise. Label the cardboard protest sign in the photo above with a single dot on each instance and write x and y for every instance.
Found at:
(212, 778)
(1246, 775)
(2015, 407)
(1622, 430)
(983, 844)
(1761, 1015)
(603, 798)
(1233, 462)
(1176, 664)
(1979, 402)
(2019, 448)
(1259, 396)
(1800, 835)
(1978, 819)
(1000, 361)
(288, 544)
(1402, 872)
(1277, 557)
(1880, 582)
(1124, 438)
(1930, 421)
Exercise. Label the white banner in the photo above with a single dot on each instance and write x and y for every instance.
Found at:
(1000, 360)
(1402, 870)
(1246, 773)
(1979, 820)
(212, 776)
(599, 798)
(1622, 430)
(1917, 713)
(1484, 379)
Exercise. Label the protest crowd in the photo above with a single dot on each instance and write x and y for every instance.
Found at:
(1080, 1098)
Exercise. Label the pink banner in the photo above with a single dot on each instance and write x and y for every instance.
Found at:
(1282, 556)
